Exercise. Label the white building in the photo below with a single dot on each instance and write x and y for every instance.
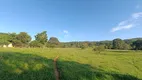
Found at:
(4, 46)
(9, 45)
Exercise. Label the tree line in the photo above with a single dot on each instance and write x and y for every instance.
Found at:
(23, 39)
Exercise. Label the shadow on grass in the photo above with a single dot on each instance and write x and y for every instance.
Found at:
(17, 66)
(77, 71)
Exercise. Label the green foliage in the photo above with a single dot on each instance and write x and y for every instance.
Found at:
(12, 37)
(84, 45)
(120, 44)
(130, 41)
(54, 40)
(4, 42)
(20, 40)
(51, 45)
(126, 46)
(4, 38)
(91, 44)
(17, 43)
(23, 37)
(35, 43)
(117, 44)
(41, 37)
(137, 45)
(108, 45)
(99, 48)
(77, 44)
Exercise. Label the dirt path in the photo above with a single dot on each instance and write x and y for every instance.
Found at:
(55, 68)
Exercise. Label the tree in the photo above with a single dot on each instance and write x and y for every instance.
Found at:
(12, 37)
(17, 43)
(35, 43)
(53, 42)
(126, 46)
(20, 40)
(99, 48)
(137, 45)
(108, 46)
(23, 37)
(4, 42)
(41, 37)
(4, 38)
(130, 41)
(118, 44)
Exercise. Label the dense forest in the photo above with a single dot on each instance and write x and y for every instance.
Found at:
(23, 39)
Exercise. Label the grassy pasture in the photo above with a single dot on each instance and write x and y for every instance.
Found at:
(73, 64)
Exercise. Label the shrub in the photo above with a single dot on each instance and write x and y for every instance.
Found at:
(35, 43)
(99, 48)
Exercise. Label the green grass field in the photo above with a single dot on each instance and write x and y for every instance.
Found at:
(73, 64)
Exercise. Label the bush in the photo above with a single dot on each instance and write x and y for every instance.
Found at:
(17, 43)
(51, 45)
(82, 47)
(35, 43)
(99, 48)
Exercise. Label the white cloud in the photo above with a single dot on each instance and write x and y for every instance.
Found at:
(122, 23)
(65, 31)
(129, 23)
(122, 27)
(137, 15)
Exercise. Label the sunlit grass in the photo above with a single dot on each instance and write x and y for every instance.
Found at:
(73, 64)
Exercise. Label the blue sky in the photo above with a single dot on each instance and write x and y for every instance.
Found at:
(73, 20)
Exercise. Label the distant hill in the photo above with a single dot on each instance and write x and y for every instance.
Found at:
(129, 41)
(133, 39)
